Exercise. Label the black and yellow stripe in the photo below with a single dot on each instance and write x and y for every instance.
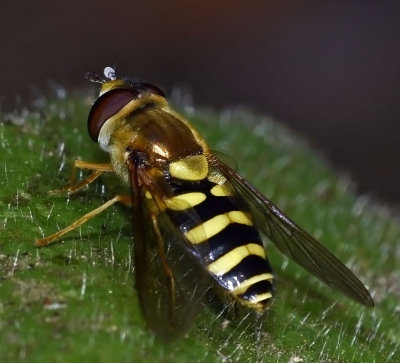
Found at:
(224, 238)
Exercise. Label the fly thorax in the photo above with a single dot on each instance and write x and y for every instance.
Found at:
(190, 168)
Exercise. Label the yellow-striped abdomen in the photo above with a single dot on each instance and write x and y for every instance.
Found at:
(222, 234)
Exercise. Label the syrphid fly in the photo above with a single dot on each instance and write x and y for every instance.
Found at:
(196, 221)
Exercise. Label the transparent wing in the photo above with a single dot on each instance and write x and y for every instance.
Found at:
(226, 159)
(170, 279)
(293, 241)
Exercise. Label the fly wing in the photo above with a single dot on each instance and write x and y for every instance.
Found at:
(293, 241)
(170, 279)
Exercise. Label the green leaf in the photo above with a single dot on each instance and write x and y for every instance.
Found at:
(75, 299)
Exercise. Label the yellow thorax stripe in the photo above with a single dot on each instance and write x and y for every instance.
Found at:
(232, 258)
(194, 167)
(215, 225)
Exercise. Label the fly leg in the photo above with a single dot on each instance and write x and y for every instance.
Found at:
(97, 170)
(73, 187)
(124, 199)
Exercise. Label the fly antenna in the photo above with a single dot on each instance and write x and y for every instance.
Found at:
(94, 77)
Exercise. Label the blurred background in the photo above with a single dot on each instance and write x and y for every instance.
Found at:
(328, 69)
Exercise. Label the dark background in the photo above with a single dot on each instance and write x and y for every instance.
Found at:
(328, 69)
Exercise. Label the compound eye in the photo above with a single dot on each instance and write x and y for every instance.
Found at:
(106, 106)
(147, 87)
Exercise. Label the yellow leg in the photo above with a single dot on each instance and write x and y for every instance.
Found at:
(72, 187)
(125, 199)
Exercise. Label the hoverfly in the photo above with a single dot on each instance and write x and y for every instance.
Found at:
(196, 221)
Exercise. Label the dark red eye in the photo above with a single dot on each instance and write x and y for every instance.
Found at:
(106, 106)
(147, 87)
